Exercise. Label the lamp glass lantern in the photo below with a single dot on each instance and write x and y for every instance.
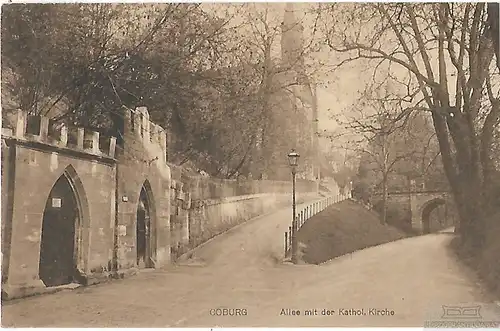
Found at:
(293, 158)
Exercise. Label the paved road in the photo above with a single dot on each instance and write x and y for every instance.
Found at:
(240, 270)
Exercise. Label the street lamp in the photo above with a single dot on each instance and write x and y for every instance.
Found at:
(293, 160)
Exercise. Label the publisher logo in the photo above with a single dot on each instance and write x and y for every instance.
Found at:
(451, 312)
(464, 316)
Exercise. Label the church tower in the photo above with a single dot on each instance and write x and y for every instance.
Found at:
(293, 62)
(292, 41)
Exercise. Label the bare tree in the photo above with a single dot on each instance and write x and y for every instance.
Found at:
(380, 124)
(86, 61)
(407, 40)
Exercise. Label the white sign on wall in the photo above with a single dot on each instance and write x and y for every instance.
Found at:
(122, 230)
(56, 202)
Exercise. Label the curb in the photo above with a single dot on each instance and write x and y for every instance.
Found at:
(186, 256)
(41, 292)
(109, 277)
(362, 249)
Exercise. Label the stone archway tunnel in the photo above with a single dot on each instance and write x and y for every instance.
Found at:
(414, 210)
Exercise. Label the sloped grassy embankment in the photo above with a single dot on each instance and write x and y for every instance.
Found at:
(341, 229)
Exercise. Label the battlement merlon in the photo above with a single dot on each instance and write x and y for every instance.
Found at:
(146, 130)
(44, 130)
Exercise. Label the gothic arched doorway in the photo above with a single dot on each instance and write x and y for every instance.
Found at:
(57, 264)
(144, 229)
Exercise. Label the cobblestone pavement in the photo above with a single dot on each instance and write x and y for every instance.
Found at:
(240, 270)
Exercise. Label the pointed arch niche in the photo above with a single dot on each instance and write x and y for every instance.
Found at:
(145, 227)
(65, 231)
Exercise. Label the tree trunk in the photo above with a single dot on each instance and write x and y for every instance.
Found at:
(383, 219)
(487, 162)
(471, 213)
(384, 180)
(467, 187)
(493, 23)
(464, 175)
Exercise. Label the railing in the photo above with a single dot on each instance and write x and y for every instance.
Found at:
(309, 211)
(410, 192)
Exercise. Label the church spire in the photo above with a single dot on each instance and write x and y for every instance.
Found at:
(292, 45)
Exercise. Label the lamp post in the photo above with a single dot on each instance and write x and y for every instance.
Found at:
(293, 160)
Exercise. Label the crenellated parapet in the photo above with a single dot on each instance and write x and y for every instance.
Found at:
(44, 130)
(145, 130)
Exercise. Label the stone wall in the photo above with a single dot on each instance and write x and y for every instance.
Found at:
(106, 178)
(398, 211)
(34, 157)
(203, 208)
(142, 163)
